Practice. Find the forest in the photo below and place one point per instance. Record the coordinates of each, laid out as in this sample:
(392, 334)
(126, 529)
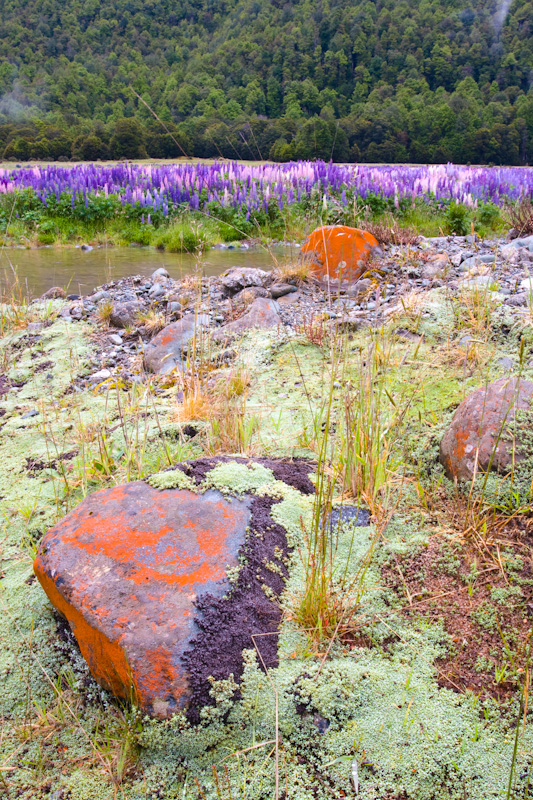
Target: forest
(422, 81)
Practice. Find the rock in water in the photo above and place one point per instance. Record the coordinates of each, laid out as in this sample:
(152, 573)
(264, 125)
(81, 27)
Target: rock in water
(127, 567)
(339, 251)
(481, 427)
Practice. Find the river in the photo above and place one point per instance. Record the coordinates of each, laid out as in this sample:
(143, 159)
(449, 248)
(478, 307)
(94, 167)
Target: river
(79, 271)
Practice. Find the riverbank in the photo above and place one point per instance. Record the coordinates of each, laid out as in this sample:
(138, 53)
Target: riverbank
(409, 675)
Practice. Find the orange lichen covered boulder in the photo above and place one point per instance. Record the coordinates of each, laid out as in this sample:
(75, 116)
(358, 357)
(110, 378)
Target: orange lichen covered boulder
(339, 251)
(127, 568)
(480, 430)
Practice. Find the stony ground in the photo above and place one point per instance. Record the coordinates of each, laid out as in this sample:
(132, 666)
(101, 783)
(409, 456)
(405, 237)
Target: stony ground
(423, 693)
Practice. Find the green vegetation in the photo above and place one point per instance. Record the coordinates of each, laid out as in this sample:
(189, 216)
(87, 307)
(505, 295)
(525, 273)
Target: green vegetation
(25, 220)
(405, 655)
(410, 81)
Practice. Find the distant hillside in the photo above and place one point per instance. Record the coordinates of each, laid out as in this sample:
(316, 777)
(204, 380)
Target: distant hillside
(424, 80)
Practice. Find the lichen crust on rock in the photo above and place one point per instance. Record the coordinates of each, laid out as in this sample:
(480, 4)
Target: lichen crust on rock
(126, 568)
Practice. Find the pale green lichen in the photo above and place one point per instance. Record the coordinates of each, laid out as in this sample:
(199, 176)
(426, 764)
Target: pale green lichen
(173, 479)
(238, 478)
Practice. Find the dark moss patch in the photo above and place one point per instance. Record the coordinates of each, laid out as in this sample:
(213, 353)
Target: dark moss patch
(34, 465)
(227, 625)
(478, 600)
(5, 385)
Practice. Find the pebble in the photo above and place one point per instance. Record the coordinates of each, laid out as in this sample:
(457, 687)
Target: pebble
(101, 375)
(29, 414)
(160, 273)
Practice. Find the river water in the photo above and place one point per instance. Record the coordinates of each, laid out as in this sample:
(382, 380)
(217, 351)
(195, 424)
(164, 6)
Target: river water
(79, 272)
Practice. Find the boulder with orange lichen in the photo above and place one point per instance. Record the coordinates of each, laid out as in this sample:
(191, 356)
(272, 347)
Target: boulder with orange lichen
(126, 568)
(479, 436)
(339, 252)
(164, 582)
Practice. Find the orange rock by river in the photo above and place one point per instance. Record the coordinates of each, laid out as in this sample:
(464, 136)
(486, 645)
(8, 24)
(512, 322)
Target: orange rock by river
(339, 251)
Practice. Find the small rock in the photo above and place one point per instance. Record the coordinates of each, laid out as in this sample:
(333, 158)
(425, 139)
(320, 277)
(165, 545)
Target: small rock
(509, 252)
(157, 291)
(28, 414)
(247, 296)
(290, 299)
(34, 327)
(160, 273)
(101, 375)
(86, 248)
(237, 278)
(115, 339)
(263, 314)
(124, 315)
(517, 300)
(281, 289)
(359, 288)
(55, 293)
(505, 363)
(164, 353)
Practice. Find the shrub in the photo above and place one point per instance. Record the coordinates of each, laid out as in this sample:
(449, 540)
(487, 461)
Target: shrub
(181, 238)
(456, 219)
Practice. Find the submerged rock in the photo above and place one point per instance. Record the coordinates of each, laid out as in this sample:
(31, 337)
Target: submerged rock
(481, 429)
(164, 353)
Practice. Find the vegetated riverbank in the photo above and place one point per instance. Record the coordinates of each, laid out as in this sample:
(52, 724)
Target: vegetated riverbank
(405, 648)
(189, 207)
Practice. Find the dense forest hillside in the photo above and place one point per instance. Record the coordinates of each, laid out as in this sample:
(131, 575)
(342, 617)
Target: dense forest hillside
(389, 80)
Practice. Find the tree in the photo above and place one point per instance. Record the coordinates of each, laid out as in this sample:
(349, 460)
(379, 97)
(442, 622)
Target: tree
(127, 140)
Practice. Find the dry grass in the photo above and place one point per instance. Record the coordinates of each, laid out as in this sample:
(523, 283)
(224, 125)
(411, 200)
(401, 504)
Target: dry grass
(312, 331)
(152, 321)
(104, 312)
(388, 231)
(520, 218)
(299, 271)
(194, 402)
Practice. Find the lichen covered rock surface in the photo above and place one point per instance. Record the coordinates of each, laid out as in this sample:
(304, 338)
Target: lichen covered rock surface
(478, 436)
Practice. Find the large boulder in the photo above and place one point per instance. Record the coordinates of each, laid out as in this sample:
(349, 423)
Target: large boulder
(263, 313)
(486, 427)
(165, 582)
(339, 252)
(238, 278)
(126, 568)
(164, 353)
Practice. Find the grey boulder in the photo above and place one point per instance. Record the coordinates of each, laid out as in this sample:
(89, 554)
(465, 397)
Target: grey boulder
(164, 353)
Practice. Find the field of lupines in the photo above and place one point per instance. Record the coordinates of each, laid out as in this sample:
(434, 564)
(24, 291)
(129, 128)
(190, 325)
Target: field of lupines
(250, 199)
